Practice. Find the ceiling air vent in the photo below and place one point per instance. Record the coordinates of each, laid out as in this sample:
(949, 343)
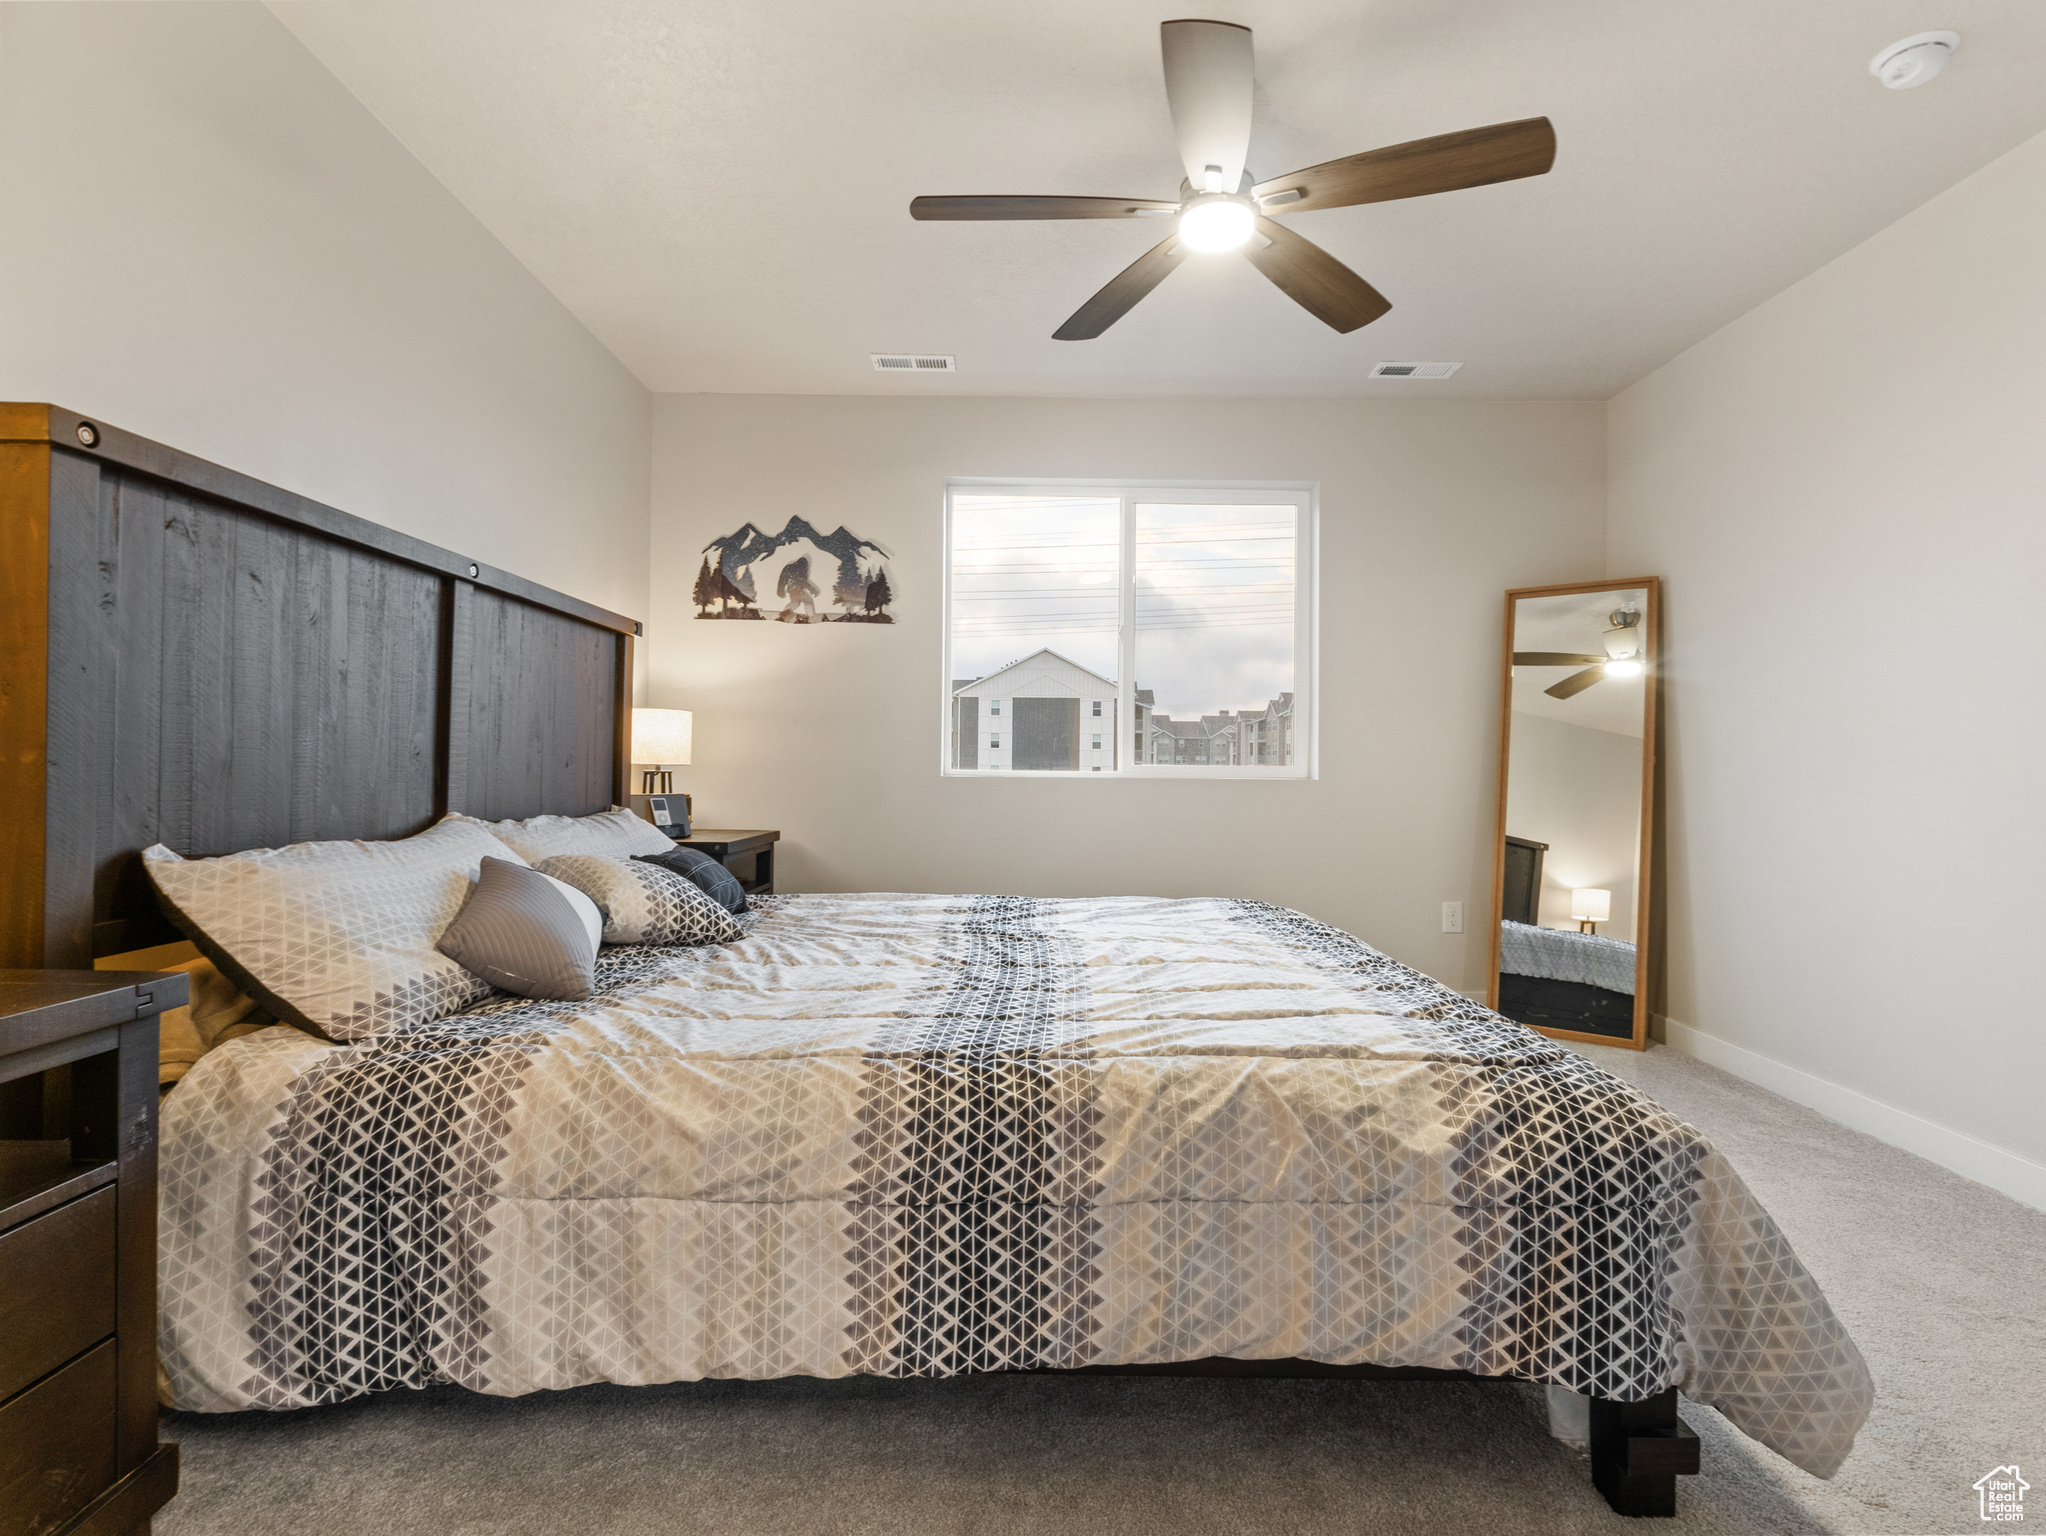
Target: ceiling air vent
(912, 362)
(1414, 370)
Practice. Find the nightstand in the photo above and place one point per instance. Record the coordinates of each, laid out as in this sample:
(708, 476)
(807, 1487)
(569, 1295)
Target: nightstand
(78, 1448)
(745, 854)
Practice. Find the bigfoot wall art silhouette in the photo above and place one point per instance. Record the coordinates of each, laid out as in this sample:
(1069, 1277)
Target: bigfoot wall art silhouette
(735, 566)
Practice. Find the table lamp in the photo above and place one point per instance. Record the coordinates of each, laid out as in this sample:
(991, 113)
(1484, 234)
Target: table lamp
(1591, 907)
(660, 737)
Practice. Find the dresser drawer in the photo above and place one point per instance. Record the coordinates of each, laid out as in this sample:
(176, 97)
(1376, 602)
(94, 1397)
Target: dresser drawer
(57, 1445)
(56, 1288)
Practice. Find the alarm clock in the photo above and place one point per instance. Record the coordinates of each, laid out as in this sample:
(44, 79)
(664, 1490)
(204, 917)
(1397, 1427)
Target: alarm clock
(670, 813)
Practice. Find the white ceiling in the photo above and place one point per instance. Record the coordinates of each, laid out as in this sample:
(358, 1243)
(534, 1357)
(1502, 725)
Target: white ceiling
(720, 190)
(1576, 621)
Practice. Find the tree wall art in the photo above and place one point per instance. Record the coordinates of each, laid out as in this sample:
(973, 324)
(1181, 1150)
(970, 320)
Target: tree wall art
(798, 576)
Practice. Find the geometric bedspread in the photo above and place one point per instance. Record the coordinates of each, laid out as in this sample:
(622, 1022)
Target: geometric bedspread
(1563, 954)
(933, 1135)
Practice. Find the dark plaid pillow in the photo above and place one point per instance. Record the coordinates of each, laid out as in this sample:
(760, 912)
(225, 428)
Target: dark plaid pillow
(715, 881)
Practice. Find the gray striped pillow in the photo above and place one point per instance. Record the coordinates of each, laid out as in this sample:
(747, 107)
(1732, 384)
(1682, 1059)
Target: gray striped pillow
(526, 933)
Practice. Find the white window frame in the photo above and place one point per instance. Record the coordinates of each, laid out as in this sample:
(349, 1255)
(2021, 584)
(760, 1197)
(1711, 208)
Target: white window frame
(1304, 496)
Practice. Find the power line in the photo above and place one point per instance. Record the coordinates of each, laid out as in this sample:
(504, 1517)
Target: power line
(995, 624)
(1280, 622)
(1187, 563)
(1074, 594)
(1064, 544)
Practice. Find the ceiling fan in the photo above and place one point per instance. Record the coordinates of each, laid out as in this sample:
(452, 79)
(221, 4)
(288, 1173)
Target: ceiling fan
(1622, 657)
(1208, 86)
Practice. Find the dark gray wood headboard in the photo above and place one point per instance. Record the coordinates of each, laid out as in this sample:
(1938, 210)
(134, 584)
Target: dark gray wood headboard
(193, 657)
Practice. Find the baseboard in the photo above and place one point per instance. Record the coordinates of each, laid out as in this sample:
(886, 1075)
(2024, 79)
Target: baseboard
(2019, 1177)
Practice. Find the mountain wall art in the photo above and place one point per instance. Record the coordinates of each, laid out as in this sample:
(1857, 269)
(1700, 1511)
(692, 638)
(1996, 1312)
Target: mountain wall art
(798, 576)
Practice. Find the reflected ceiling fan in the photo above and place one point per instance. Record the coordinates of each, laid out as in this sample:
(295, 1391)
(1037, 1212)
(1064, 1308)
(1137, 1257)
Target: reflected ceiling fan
(1208, 86)
(1622, 657)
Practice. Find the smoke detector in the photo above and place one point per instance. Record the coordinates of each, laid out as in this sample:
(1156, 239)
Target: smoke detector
(1915, 60)
(913, 362)
(1414, 370)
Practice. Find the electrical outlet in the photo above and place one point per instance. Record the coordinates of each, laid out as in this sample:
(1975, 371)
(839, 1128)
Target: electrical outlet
(1452, 917)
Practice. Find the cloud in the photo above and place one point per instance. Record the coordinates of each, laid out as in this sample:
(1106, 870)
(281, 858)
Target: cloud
(1214, 594)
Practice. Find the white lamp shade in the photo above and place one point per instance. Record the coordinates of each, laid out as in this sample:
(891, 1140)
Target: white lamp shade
(661, 736)
(1591, 906)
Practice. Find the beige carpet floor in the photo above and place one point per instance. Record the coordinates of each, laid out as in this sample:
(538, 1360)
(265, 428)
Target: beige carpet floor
(1942, 1283)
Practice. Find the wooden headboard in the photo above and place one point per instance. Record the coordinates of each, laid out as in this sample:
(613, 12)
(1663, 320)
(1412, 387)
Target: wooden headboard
(190, 656)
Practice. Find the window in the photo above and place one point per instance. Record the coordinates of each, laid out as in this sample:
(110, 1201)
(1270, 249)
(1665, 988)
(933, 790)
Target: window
(995, 742)
(1181, 615)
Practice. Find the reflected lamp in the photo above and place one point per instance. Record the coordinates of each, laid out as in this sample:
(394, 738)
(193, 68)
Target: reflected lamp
(1590, 907)
(660, 737)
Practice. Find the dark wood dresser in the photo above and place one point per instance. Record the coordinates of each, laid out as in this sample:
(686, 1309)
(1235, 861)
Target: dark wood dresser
(78, 1068)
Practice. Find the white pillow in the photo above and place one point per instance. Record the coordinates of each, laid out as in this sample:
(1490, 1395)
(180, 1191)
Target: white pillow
(335, 937)
(585, 909)
(613, 834)
(527, 933)
(645, 903)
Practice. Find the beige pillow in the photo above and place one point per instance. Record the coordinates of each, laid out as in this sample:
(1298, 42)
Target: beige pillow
(335, 937)
(645, 903)
(218, 1012)
(613, 834)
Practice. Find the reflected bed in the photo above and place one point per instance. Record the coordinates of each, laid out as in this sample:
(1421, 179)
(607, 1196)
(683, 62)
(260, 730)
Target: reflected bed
(1556, 978)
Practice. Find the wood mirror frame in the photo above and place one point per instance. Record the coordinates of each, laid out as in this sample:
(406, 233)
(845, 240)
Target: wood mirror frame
(1644, 893)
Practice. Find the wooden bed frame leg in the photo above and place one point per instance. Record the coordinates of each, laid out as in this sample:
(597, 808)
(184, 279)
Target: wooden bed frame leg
(1638, 1451)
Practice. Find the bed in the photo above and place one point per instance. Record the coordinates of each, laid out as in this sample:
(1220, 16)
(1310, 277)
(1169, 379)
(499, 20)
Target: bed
(932, 1135)
(1557, 978)
(905, 1135)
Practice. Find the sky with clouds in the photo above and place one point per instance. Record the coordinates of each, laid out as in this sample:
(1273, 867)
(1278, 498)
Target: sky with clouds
(1214, 593)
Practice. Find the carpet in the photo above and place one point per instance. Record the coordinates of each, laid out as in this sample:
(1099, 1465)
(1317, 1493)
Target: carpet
(1941, 1281)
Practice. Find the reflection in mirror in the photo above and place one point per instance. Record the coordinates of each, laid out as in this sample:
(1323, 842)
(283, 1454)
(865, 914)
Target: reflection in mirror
(1576, 766)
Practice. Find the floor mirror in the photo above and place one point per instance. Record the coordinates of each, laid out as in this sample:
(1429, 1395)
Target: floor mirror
(1571, 936)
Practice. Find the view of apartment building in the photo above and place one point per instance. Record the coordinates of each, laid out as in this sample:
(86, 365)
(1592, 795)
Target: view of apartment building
(1261, 738)
(1045, 712)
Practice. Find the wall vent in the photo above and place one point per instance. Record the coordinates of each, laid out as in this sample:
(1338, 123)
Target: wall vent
(913, 362)
(1414, 370)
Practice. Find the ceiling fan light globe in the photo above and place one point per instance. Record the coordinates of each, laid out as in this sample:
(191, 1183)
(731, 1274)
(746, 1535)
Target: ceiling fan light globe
(1216, 223)
(1623, 668)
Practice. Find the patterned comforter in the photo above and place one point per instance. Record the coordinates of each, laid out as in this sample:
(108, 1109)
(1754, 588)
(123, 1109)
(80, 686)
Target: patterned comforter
(1590, 959)
(927, 1135)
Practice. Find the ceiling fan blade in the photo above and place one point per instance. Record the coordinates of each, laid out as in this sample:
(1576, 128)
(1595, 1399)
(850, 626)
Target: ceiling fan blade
(1555, 659)
(1123, 291)
(1040, 208)
(1474, 157)
(1208, 83)
(1576, 682)
(1315, 280)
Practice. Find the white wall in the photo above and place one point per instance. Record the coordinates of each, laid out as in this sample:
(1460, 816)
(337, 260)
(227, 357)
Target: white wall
(830, 732)
(210, 242)
(1579, 791)
(1846, 489)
